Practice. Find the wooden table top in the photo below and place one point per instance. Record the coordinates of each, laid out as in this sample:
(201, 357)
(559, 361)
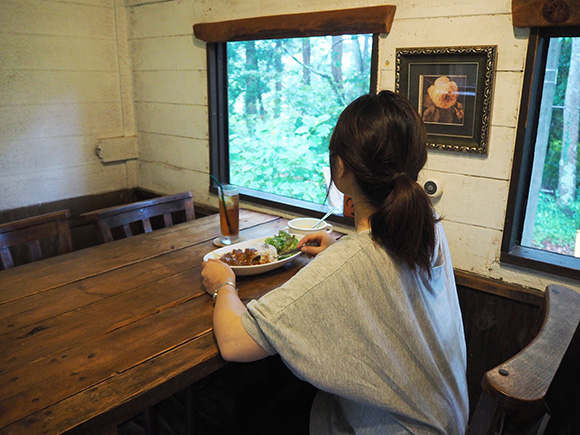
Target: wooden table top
(91, 338)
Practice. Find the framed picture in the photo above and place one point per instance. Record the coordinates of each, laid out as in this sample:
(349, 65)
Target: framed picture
(451, 88)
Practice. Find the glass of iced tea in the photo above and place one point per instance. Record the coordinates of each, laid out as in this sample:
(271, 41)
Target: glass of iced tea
(229, 199)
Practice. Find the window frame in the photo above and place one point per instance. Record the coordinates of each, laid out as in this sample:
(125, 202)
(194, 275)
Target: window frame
(373, 20)
(219, 143)
(512, 252)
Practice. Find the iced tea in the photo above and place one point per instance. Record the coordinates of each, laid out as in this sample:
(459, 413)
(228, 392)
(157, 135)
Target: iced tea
(229, 214)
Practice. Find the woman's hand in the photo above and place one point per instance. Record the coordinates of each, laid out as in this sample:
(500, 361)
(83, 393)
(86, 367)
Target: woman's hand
(215, 273)
(320, 241)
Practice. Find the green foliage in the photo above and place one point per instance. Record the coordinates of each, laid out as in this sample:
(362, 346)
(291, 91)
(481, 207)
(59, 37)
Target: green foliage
(551, 167)
(555, 230)
(283, 107)
(551, 170)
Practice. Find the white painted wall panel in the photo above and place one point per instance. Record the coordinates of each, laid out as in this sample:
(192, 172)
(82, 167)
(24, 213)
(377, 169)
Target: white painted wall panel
(506, 97)
(450, 8)
(41, 87)
(55, 184)
(170, 53)
(55, 120)
(473, 249)
(183, 87)
(42, 52)
(163, 178)
(102, 3)
(164, 19)
(477, 201)
(496, 165)
(460, 31)
(46, 18)
(173, 119)
(175, 151)
(24, 156)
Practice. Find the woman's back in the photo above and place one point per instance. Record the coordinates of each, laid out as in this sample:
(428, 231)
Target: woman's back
(384, 338)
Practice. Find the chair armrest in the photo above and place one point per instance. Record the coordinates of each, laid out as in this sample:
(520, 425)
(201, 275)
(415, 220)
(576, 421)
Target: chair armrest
(524, 379)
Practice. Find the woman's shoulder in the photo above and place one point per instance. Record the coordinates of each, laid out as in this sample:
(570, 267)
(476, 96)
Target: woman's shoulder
(353, 249)
(350, 244)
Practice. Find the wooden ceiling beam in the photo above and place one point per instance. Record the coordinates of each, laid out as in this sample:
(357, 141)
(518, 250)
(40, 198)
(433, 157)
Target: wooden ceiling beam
(374, 19)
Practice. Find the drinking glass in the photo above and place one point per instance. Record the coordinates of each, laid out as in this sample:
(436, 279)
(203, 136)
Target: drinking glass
(229, 200)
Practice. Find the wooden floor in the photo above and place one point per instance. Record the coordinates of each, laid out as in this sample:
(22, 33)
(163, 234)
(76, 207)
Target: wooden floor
(260, 398)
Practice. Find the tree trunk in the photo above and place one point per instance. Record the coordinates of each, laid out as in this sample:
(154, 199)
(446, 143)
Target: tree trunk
(250, 99)
(357, 55)
(279, 68)
(306, 53)
(542, 137)
(336, 64)
(569, 157)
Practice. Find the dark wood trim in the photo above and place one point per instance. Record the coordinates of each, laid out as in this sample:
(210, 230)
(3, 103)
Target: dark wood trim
(543, 261)
(500, 288)
(374, 65)
(375, 19)
(545, 13)
(217, 80)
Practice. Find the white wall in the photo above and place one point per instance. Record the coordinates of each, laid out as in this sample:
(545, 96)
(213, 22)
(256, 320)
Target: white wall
(64, 83)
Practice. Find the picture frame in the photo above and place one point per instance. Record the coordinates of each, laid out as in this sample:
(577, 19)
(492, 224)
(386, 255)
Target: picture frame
(451, 88)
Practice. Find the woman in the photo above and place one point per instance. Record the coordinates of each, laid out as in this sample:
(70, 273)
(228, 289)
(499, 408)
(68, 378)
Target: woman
(373, 321)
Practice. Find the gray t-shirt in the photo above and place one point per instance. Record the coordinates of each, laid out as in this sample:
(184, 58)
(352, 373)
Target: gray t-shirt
(384, 344)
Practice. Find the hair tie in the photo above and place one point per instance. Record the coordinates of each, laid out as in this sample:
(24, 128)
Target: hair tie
(400, 175)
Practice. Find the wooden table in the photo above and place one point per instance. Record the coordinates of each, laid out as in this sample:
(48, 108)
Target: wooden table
(91, 338)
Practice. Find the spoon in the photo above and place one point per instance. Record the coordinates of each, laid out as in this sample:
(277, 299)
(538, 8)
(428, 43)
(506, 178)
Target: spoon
(323, 218)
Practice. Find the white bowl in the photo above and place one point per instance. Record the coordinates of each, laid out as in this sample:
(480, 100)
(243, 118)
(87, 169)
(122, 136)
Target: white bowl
(304, 226)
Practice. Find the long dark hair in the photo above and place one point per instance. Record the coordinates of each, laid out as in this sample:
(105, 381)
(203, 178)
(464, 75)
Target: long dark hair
(382, 140)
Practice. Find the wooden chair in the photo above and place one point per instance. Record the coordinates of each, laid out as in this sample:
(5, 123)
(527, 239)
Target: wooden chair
(30, 232)
(537, 390)
(137, 216)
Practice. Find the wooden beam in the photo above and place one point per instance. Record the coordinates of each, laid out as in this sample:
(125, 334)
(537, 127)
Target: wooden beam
(545, 13)
(499, 287)
(376, 19)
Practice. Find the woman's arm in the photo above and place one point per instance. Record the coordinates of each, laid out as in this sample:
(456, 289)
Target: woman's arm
(234, 342)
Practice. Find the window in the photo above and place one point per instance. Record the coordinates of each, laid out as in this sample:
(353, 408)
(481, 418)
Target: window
(276, 88)
(284, 98)
(543, 217)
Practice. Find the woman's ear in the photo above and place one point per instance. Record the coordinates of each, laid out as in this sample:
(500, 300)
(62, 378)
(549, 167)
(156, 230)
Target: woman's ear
(341, 176)
(341, 169)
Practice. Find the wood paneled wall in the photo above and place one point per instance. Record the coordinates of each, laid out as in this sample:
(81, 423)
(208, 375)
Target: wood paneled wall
(64, 83)
(499, 319)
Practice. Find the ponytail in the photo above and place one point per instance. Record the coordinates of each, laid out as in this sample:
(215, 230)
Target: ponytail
(405, 223)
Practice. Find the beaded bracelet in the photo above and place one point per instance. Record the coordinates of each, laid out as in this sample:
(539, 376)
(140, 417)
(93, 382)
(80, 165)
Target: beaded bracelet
(215, 292)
